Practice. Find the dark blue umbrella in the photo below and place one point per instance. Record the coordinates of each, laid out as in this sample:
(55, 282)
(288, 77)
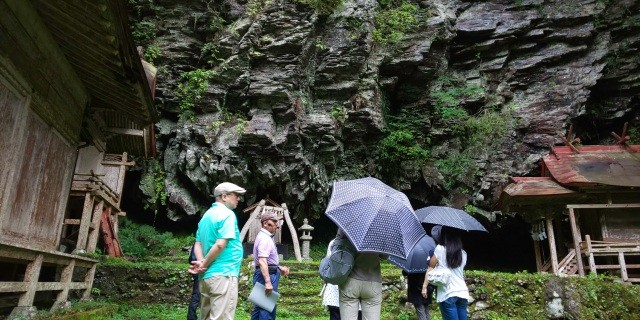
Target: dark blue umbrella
(449, 217)
(417, 258)
(374, 216)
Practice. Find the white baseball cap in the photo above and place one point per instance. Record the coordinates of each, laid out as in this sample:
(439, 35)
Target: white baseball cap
(227, 187)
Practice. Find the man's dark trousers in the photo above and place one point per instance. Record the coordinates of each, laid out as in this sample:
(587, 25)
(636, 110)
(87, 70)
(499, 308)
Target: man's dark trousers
(258, 313)
(195, 299)
(195, 293)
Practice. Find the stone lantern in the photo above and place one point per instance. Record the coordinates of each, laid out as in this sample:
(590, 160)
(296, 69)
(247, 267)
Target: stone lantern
(306, 238)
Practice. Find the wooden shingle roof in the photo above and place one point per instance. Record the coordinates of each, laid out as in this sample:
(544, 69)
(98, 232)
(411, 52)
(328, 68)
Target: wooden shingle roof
(96, 39)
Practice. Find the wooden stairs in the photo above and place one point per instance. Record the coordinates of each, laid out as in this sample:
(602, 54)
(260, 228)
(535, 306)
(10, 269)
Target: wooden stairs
(567, 266)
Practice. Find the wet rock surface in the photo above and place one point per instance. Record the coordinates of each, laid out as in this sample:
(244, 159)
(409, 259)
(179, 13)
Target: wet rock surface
(299, 99)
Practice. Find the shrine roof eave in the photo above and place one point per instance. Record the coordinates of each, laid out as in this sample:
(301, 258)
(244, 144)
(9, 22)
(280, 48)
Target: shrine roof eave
(595, 167)
(526, 191)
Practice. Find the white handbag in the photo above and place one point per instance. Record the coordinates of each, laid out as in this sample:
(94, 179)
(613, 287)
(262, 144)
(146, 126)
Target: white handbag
(439, 276)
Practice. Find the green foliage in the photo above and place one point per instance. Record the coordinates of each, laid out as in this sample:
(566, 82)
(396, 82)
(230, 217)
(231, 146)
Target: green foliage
(408, 119)
(80, 310)
(404, 142)
(193, 85)
(140, 2)
(520, 295)
(153, 311)
(448, 99)
(355, 27)
(145, 242)
(487, 129)
(353, 22)
(217, 23)
(634, 135)
(339, 113)
(470, 209)
(254, 7)
(321, 45)
(210, 53)
(152, 184)
(389, 3)
(317, 251)
(480, 136)
(393, 23)
(456, 166)
(241, 126)
(227, 117)
(143, 32)
(322, 7)
(152, 52)
(402, 145)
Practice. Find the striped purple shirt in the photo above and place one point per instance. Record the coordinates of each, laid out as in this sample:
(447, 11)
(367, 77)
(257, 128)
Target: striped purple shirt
(265, 247)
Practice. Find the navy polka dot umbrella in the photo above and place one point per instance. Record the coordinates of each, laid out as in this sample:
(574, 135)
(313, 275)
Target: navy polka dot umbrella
(450, 217)
(374, 216)
(418, 257)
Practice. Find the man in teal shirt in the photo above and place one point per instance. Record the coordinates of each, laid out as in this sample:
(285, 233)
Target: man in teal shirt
(218, 251)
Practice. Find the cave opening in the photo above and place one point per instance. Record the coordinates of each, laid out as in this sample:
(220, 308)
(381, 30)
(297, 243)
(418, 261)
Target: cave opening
(508, 248)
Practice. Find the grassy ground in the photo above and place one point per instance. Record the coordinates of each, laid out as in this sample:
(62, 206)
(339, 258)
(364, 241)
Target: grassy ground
(158, 287)
(299, 298)
(504, 295)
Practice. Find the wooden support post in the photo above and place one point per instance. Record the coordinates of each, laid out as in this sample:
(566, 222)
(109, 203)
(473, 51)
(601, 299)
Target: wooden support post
(121, 174)
(94, 229)
(85, 220)
(88, 280)
(576, 241)
(252, 218)
(623, 267)
(31, 276)
(292, 231)
(552, 246)
(536, 249)
(65, 280)
(592, 259)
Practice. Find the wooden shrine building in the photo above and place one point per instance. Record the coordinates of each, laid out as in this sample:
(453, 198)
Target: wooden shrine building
(75, 102)
(253, 225)
(584, 210)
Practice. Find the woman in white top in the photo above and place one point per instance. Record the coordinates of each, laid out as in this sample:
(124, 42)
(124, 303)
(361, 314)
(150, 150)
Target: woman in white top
(453, 298)
(330, 295)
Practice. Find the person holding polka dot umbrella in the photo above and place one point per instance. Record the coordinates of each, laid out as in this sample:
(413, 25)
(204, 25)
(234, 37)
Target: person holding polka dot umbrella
(378, 221)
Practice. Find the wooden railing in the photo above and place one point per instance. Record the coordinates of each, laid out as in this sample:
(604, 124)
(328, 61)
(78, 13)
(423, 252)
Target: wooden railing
(593, 249)
(91, 182)
(30, 282)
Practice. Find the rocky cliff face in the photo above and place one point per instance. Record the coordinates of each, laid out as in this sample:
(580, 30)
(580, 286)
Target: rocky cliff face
(442, 99)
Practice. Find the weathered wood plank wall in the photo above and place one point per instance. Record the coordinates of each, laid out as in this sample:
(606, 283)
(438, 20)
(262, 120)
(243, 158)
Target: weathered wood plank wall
(33, 195)
(43, 103)
(57, 94)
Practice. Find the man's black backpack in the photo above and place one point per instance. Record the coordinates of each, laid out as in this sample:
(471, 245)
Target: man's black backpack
(336, 267)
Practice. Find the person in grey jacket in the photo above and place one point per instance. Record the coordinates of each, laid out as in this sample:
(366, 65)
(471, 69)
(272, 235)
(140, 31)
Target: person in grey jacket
(363, 287)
